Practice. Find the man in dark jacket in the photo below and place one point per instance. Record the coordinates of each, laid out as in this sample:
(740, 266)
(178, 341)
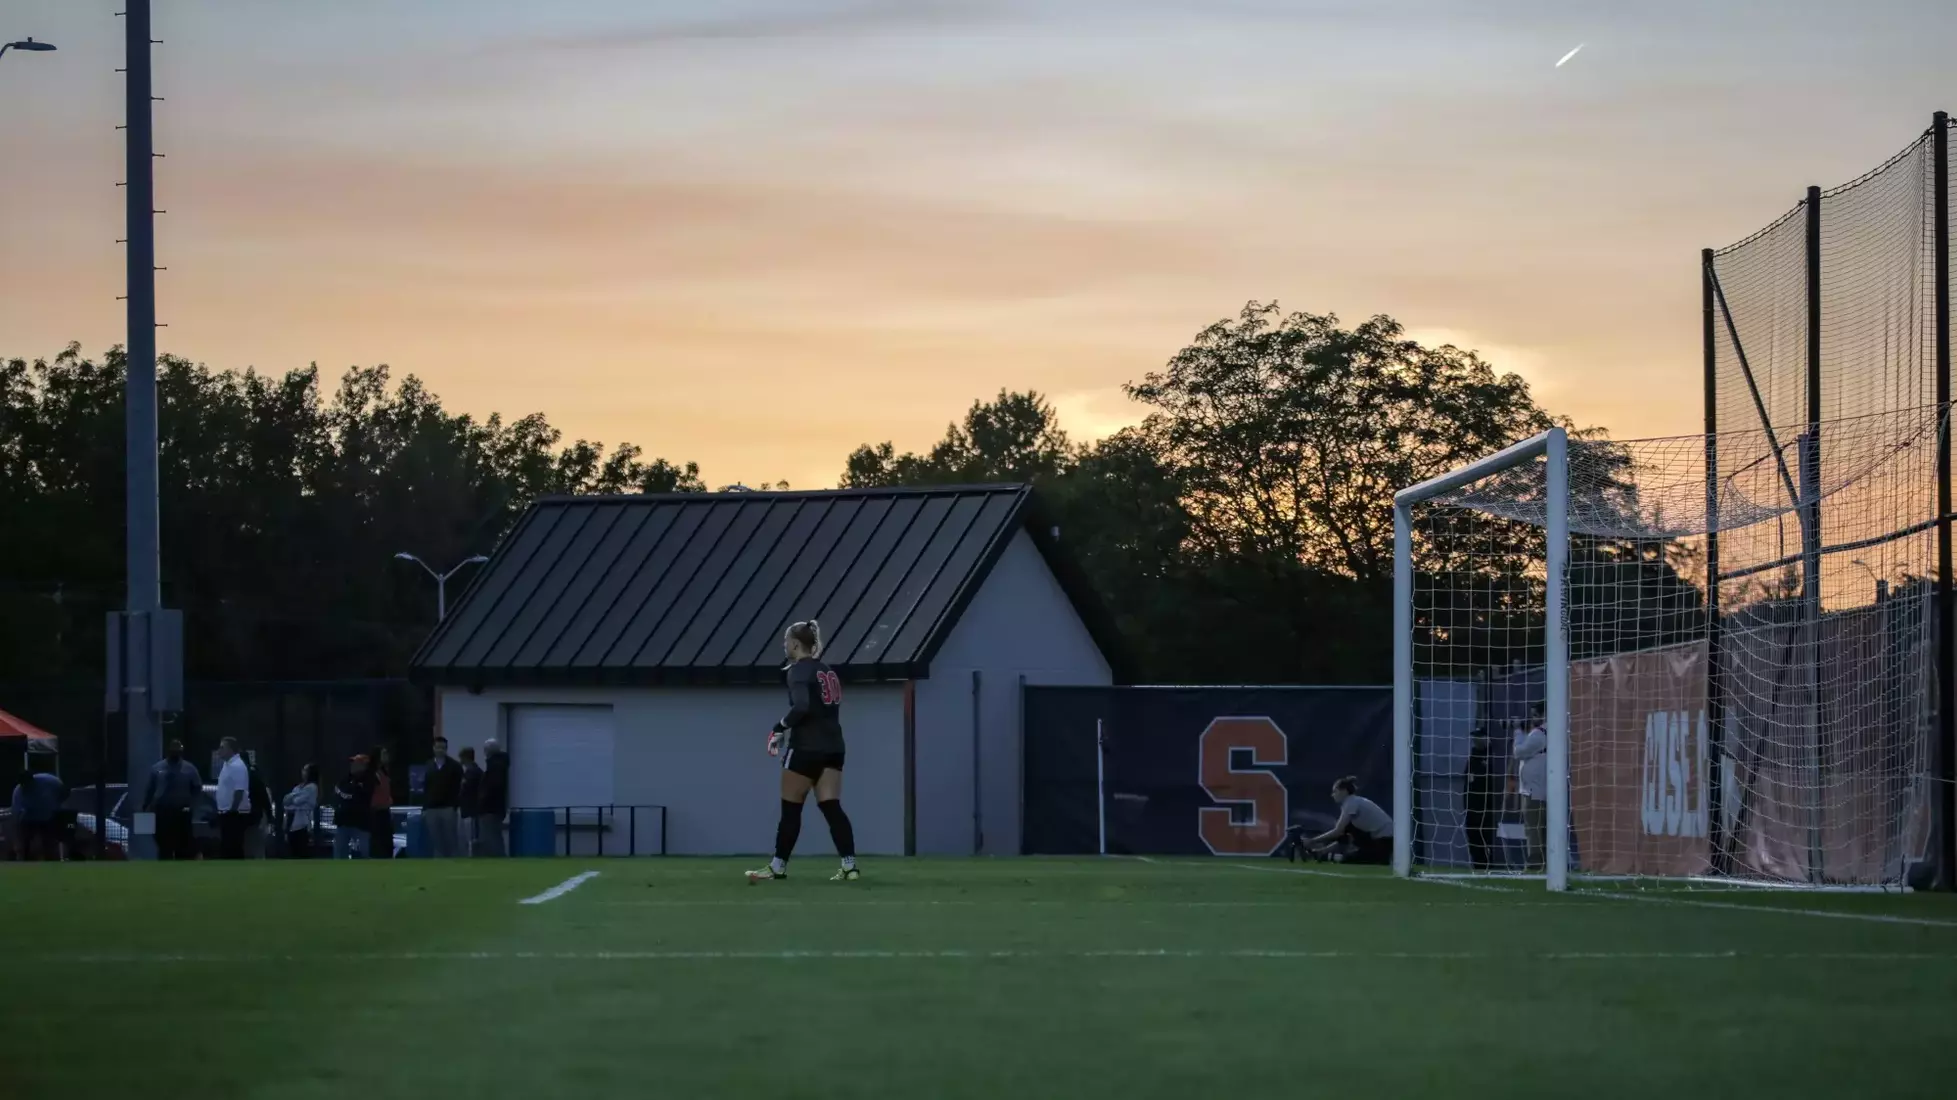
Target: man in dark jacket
(352, 809)
(171, 794)
(470, 800)
(495, 801)
(1484, 801)
(441, 793)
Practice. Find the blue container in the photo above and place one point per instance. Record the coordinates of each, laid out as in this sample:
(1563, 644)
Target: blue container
(417, 837)
(533, 833)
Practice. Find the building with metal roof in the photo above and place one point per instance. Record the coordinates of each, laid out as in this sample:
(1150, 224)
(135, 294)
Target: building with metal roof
(626, 650)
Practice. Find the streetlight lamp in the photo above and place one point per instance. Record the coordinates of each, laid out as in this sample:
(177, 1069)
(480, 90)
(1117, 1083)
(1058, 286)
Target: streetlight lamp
(27, 44)
(441, 579)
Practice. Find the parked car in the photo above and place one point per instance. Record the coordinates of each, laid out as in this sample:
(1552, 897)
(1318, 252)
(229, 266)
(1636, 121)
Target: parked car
(203, 822)
(81, 803)
(323, 837)
(78, 838)
(82, 843)
(203, 816)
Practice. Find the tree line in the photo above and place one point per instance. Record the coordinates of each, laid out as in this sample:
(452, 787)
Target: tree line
(1240, 532)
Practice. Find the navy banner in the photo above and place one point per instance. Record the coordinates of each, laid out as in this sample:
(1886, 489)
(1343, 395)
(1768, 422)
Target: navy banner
(1195, 771)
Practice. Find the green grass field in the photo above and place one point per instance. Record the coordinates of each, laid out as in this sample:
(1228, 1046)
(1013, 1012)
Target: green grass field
(958, 978)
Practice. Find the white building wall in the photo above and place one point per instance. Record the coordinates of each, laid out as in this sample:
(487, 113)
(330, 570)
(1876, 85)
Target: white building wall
(701, 753)
(1020, 624)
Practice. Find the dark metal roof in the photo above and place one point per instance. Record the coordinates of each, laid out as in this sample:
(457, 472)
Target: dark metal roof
(696, 587)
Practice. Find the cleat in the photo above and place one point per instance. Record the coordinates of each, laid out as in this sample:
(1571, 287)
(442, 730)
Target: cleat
(846, 874)
(765, 874)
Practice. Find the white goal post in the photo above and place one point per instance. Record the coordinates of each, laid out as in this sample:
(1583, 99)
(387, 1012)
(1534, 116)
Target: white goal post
(1611, 665)
(1552, 448)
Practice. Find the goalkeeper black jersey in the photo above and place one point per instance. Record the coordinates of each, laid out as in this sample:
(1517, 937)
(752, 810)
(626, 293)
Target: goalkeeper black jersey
(815, 707)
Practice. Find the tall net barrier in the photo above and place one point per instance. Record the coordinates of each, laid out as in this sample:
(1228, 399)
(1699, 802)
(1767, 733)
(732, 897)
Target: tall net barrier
(1828, 316)
(1774, 745)
(1737, 666)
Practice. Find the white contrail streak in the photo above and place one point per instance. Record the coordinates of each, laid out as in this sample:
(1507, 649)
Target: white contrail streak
(1567, 56)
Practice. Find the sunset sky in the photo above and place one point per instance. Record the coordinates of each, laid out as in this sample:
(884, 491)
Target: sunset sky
(755, 234)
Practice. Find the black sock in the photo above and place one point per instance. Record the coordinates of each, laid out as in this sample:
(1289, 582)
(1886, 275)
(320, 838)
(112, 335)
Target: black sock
(839, 827)
(789, 830)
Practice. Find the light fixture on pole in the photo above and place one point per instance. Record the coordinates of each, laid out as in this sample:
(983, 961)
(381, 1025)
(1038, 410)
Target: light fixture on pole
(441, 579)
(27, 44)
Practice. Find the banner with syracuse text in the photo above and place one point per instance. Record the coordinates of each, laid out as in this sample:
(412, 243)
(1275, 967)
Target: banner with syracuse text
(1195, 770)
(1640, 782)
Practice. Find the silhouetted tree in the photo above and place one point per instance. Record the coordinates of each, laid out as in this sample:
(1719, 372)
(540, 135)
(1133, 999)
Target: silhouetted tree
(281, 510)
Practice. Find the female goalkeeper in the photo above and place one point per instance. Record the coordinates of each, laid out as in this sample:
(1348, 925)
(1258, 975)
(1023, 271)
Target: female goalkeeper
(809, 740)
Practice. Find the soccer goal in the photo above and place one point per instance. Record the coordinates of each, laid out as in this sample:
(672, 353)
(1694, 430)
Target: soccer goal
(1586, 691)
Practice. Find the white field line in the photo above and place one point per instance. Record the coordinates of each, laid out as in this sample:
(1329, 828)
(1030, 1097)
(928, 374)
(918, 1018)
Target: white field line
(1367, 876)
(1489, 887)
(1653, 899)
(1293, 904)
(1010, 953)
(560, 889)
(1313, 871)
(1835, 914)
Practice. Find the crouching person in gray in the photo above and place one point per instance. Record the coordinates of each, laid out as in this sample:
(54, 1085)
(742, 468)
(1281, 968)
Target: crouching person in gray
(441, 795)
(1363, 834)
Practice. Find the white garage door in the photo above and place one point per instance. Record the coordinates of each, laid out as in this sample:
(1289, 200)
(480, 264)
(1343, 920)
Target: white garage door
(560, 756)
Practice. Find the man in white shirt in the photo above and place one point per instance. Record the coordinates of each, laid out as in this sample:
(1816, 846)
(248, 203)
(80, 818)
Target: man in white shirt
(1532, 780)
(1362, 835)
(233, 800)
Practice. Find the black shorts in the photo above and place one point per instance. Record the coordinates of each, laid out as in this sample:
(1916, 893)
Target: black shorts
(811, 764)
(1374, 851)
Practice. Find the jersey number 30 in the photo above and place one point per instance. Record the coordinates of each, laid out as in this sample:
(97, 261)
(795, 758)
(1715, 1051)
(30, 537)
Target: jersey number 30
(832, 688)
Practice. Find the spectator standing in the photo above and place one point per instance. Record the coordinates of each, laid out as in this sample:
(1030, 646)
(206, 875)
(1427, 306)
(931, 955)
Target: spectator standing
(261, 820)
(37, 818)
(1484, 800)
(380, 834)
(171, 795)
(233, 799)
(495, 801)
(353, 808)
(1532, 779)
(469, 803)
(441, 794)
(301, 808)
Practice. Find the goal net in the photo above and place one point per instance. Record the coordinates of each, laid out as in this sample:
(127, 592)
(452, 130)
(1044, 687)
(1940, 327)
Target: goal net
(1584, 692)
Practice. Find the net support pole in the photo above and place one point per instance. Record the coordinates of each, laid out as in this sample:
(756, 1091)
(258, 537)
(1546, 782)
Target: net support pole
(1403, 699)
(1715, 708)
(1946, 621)
(1556, 660)
(1811, 535)
(1101, 783)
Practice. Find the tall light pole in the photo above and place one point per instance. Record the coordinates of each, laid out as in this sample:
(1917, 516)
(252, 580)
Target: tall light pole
(147, 695)
(27, 44)
(441, 579)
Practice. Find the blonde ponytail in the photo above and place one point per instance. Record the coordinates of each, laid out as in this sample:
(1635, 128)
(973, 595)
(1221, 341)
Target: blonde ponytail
(808, 635)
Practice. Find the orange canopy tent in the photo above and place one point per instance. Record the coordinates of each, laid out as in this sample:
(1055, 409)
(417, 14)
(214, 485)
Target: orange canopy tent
(14, 729)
